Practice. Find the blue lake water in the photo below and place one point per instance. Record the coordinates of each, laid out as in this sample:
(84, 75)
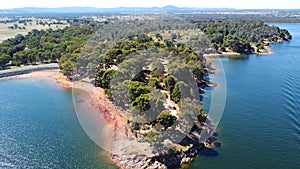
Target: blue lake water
(39, 128)
(260, 127)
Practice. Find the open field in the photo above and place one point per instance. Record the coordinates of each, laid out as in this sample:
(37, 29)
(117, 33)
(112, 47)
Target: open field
(6, 32)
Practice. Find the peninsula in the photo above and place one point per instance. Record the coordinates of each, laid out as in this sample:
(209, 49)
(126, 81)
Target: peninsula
(149, 72)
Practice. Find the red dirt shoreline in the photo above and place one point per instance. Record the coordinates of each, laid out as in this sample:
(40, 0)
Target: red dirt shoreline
(124, 150)
(97, 97)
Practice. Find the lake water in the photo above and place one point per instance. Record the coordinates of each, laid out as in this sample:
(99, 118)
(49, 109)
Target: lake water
(39, 128)
(260, 127)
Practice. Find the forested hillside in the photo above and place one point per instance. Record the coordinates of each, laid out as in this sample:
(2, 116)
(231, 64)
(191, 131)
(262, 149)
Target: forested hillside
(241, 36)
(153, 69)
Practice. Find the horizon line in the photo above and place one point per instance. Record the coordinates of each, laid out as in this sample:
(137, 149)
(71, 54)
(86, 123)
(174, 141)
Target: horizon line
(148, 7)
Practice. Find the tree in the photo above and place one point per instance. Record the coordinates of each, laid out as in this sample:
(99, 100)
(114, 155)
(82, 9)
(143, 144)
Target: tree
(142, 103)
(131, 67)
(154, 82)
(4, 59)
(23, 57)
(99, 76)
(91, 70)
(136, 89)
(120, 94)
(68, 68)
(148, 106)
(104, 77)
(176, 94)
(181, 72)
(157, 68)
(181, 91)
(53, 57)
(166, 119)
(16, 60)
(169, 83)
(141, 76)
(198, 72)
(32, 58)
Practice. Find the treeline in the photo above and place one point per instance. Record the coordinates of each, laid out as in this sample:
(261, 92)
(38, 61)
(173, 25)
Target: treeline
(44, 46)
(242, 36)
(65, 45)
(274, 17)
(102, 44)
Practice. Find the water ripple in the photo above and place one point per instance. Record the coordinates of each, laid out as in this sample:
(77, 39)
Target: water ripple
(291, 95)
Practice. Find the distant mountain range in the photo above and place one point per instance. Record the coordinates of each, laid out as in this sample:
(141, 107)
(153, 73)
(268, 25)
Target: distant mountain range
(104, 10)
(82, 11)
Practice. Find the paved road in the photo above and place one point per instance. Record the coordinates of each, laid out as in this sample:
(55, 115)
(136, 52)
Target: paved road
(27, 69)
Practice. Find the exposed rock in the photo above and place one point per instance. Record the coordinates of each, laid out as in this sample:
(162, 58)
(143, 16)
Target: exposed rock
(217, 144)
(215, 134)
(211, 139)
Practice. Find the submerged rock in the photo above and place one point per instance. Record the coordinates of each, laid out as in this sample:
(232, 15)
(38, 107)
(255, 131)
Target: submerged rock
(208, 152)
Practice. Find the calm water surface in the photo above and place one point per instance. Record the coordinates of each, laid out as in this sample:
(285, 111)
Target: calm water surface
(260, 127)
(39, 128)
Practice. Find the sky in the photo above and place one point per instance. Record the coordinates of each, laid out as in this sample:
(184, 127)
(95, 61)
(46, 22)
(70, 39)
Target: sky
(241, 4)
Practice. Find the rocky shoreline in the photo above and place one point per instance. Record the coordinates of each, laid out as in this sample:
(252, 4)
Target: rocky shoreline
(126, 158)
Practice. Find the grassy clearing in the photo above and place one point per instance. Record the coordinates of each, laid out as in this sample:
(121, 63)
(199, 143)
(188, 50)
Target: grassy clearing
(6, 32)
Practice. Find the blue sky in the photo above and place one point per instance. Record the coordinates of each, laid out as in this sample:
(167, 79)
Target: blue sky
(243, 4)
